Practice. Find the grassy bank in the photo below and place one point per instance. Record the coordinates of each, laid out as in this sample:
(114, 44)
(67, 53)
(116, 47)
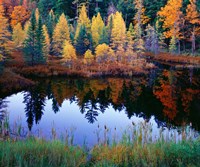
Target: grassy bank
(56, 66)
(35, 152)
(175, 59)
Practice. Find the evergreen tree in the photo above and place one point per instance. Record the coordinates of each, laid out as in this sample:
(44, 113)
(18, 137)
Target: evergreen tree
(61, 33)
(40, 43)
(5, 35)
(64, 6)
(35, 42)
(60, 4)
(51, 22)
(30, 42)
(45, 6)
(127, 9)
(104, 37)
(83, 41)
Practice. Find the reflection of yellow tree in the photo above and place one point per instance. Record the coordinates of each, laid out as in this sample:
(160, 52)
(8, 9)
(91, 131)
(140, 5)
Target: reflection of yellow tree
(96, 86)
(165, 93)
(62, 91)
(116, 89)
(91, 89)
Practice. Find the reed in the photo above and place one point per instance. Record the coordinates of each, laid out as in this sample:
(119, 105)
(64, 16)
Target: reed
(135, 148)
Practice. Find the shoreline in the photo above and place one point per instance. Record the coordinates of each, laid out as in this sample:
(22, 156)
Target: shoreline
(170, 59)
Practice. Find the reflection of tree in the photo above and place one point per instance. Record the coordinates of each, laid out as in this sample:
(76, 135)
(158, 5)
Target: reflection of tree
(179, 92)
(165, 94)
(3, 106)
(174, 98)
(35, 103)
(55, 105)
(92, 112)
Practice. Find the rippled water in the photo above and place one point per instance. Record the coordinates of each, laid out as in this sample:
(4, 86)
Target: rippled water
(168, 99)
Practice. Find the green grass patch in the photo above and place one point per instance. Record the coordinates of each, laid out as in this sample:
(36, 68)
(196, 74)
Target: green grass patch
(42, 153)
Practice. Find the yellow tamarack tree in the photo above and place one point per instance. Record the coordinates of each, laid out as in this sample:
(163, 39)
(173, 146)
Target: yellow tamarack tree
(18, 35)
(118, 33)
(60, 34)
(97, 29)
(47, 40)
(69, 52)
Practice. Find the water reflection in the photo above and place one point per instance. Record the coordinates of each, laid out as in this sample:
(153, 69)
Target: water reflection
(3, 106)
(171, 96)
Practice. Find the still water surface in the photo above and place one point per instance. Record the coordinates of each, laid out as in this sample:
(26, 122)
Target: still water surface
(167, 99)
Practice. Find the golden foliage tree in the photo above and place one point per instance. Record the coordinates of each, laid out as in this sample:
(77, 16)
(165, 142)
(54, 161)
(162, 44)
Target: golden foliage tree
(193, 17)
(18, 35)
(19, 15)
(172, 18)
(47, 40)
(104, 53)
(69, 52)
(88, 57)
(118, 34)
(97, 29)
(4, 34)
(61, 33)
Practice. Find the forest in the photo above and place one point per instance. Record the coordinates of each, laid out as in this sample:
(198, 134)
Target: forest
(98, 31)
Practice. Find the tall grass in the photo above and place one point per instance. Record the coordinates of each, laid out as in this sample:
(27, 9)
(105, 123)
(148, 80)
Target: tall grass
(38, 152)
(135, 148)
(34, 152)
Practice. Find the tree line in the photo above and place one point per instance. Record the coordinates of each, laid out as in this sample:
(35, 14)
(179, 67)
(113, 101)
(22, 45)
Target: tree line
(103, 30)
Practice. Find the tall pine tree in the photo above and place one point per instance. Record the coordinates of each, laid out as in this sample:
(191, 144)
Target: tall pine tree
(40, 43)
(35, 42)
(30, 42)
(5, 36)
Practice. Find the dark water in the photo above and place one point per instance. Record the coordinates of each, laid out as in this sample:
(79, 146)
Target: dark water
(167, 99)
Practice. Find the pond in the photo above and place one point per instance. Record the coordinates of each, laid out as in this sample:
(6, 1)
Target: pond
(168, 99)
